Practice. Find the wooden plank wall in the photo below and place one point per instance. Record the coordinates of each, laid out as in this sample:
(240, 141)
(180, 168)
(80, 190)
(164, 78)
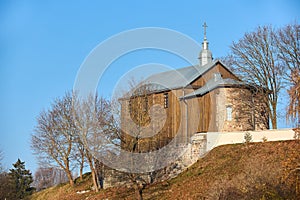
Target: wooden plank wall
(199, 117)
(209, 74)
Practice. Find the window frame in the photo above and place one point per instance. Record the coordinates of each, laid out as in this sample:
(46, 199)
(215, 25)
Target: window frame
(166, 100)
(229, 113)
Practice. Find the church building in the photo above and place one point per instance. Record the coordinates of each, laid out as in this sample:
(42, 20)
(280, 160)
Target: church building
(207, 97)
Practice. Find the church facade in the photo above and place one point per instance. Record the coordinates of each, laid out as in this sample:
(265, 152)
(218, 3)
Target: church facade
(207, 97)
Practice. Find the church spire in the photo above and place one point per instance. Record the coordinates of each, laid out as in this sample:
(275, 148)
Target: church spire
(204, 26)
(205, 54)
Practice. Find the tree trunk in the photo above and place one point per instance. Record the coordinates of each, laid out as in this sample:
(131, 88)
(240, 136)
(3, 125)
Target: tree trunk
(80, 173)
(70, 177)
(94, 177)
(253, 113)
(95, 180)
(138, 192)
(81, 164)
(81, 167)
(99, 170)
(274, 123)
(298, 123)
(274, 116)
(68, 172)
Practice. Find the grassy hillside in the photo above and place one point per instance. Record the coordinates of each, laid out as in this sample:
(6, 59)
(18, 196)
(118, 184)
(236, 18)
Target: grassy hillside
(254, 171)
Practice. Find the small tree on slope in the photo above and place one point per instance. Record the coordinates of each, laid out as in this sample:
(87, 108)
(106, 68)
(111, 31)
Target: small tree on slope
(21, 179)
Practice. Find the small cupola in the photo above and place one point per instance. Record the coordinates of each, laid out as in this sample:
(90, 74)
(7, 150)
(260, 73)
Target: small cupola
(205, 55)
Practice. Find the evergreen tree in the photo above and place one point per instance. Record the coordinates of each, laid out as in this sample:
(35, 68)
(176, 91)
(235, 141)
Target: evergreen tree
(21, 179)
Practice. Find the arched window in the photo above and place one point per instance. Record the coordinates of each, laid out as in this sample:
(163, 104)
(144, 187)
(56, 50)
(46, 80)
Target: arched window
(145, 104)
(166, 100)
(129, 105)
(228, 113)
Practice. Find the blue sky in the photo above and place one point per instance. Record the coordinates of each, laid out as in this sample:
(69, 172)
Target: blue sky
(43, 44)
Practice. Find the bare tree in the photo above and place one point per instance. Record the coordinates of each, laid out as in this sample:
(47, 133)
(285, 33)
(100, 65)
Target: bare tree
(48, 177)
(91, 116)
(255, 59)
(6, 183)
(1, 160)
(293, 111)
(135, 108)
(288, 42)
(7, 189)
(78, 155)
(52, 140)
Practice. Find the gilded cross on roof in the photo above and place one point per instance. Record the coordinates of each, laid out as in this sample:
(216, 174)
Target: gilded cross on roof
(204, 26)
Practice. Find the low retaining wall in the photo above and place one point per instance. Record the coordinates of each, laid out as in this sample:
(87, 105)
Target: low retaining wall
(199, 145)
(215, 139)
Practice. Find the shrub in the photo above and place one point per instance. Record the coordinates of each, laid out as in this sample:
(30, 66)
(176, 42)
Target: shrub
(264, 139)
(248, 137)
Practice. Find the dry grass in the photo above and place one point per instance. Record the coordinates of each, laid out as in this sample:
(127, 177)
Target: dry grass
(254, 171)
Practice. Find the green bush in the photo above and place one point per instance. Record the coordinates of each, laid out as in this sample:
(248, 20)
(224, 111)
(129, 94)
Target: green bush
(248, 137)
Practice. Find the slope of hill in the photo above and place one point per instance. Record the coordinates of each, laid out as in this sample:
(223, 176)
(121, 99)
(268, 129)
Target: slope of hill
(269, 170)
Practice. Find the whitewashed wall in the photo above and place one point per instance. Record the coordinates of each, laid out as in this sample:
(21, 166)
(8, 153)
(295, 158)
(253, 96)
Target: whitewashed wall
(215, 139)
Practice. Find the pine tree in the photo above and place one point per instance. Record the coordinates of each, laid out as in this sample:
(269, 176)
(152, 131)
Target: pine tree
(21, 179)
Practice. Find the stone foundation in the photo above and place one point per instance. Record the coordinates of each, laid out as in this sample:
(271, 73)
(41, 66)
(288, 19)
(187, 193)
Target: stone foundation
(198, 147)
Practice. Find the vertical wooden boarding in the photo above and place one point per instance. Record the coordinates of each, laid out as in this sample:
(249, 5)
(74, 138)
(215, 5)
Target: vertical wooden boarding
(205, 113)
(212, 113)
(208, 111)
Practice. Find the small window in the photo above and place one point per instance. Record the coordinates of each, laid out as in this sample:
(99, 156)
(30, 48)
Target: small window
(217, 76)
(129, 105)
(166, 100)
(228, 113)
(145, 104)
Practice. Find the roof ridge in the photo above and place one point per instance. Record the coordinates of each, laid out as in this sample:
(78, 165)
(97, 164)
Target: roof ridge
(212, 84)
(182, 77)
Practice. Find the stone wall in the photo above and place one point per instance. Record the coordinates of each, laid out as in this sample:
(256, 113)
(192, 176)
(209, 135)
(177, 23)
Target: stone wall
(248, 110)
(199, 145)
